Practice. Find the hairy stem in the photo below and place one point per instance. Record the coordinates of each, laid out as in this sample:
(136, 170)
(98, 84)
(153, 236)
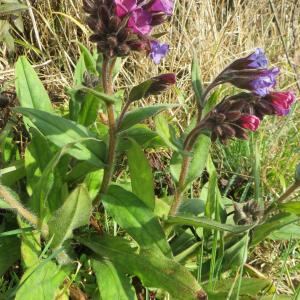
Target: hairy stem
(15, 205)
(107, 81)
(122, 114)
(188, 147)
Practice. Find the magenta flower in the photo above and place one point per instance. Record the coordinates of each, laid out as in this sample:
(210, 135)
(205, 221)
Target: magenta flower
(255, 60)
(250, 122)
(124, 7)
(164, 6)
(281, 102)
(158, 51)
(140, 21)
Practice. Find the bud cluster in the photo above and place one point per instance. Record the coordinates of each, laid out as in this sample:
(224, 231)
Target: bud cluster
(122, 26)
(245, 111)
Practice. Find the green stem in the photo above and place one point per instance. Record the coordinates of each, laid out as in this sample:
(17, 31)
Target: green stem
(188, 147)
(15, 205)
(107, 81)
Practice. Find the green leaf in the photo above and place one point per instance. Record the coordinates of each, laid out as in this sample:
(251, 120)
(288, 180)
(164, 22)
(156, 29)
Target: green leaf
(9, 252)
(108, 99)
(262, 231)
(93, 183)
(13, 173)
(112, 283)
(138, 92)
(89, 61)
(168, 134)
(250, 287)
(74, 213)
(136, 218)
(290, 207)
(12, 8)
(30, 91)
(41, 282)
(89, 110)
(153, 269)
(198, 162)
(63, 132)
(286, 233)
(141, 175)
(140, 114)
(196, 82)
(207, 223)
(145, 137)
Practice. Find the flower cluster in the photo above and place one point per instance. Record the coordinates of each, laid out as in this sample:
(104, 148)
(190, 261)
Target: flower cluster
(121, 26)
(244, 111)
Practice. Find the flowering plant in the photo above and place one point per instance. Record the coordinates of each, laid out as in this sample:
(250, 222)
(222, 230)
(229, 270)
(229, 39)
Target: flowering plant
(94, 229)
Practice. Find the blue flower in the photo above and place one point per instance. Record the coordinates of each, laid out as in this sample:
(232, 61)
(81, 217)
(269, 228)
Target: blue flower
(158, 51)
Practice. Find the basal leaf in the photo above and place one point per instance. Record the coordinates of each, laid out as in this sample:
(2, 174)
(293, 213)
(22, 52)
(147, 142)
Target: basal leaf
(141, 175)
(63, 132)
(74, 213)
(13, 173)
(12, 8)
(41, 282)
(153, 269)
(112, 283)
(136, 218)
(30, 91)
(9, 252)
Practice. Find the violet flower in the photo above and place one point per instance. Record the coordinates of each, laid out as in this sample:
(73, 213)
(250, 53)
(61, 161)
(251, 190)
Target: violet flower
(158, 51)
(258, 81)
(281, 102)
(256, 60)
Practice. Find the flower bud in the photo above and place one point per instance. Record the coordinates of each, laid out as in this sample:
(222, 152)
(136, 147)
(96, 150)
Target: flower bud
(161, 83)
(249, 122)
(255, 60)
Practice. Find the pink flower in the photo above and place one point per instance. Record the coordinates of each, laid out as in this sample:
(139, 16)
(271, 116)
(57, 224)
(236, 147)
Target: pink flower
(281, 102)
(164, 6)
(140, 21)
(249, 122)
(123, 7)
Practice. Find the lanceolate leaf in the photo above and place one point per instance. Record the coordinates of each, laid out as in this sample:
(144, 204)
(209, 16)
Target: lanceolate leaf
(141, 114)
(41, 282)
(196, 82)
(278, 221)
(199, 159)
(137, 219)
(74, 213)
(208, 224)
(63, 132)
(9, 252)
(30, 91)
(141, 175)
(112, 283)
(12, 8)
(153, 269)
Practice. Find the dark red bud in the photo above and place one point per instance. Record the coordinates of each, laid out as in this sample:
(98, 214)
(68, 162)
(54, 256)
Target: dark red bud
(161, 83)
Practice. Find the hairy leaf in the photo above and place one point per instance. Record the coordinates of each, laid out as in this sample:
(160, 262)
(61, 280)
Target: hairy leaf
(136, 218)
(141, 175)
(153, 269)
(30, 90)
(74, 213)
(112, 283)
